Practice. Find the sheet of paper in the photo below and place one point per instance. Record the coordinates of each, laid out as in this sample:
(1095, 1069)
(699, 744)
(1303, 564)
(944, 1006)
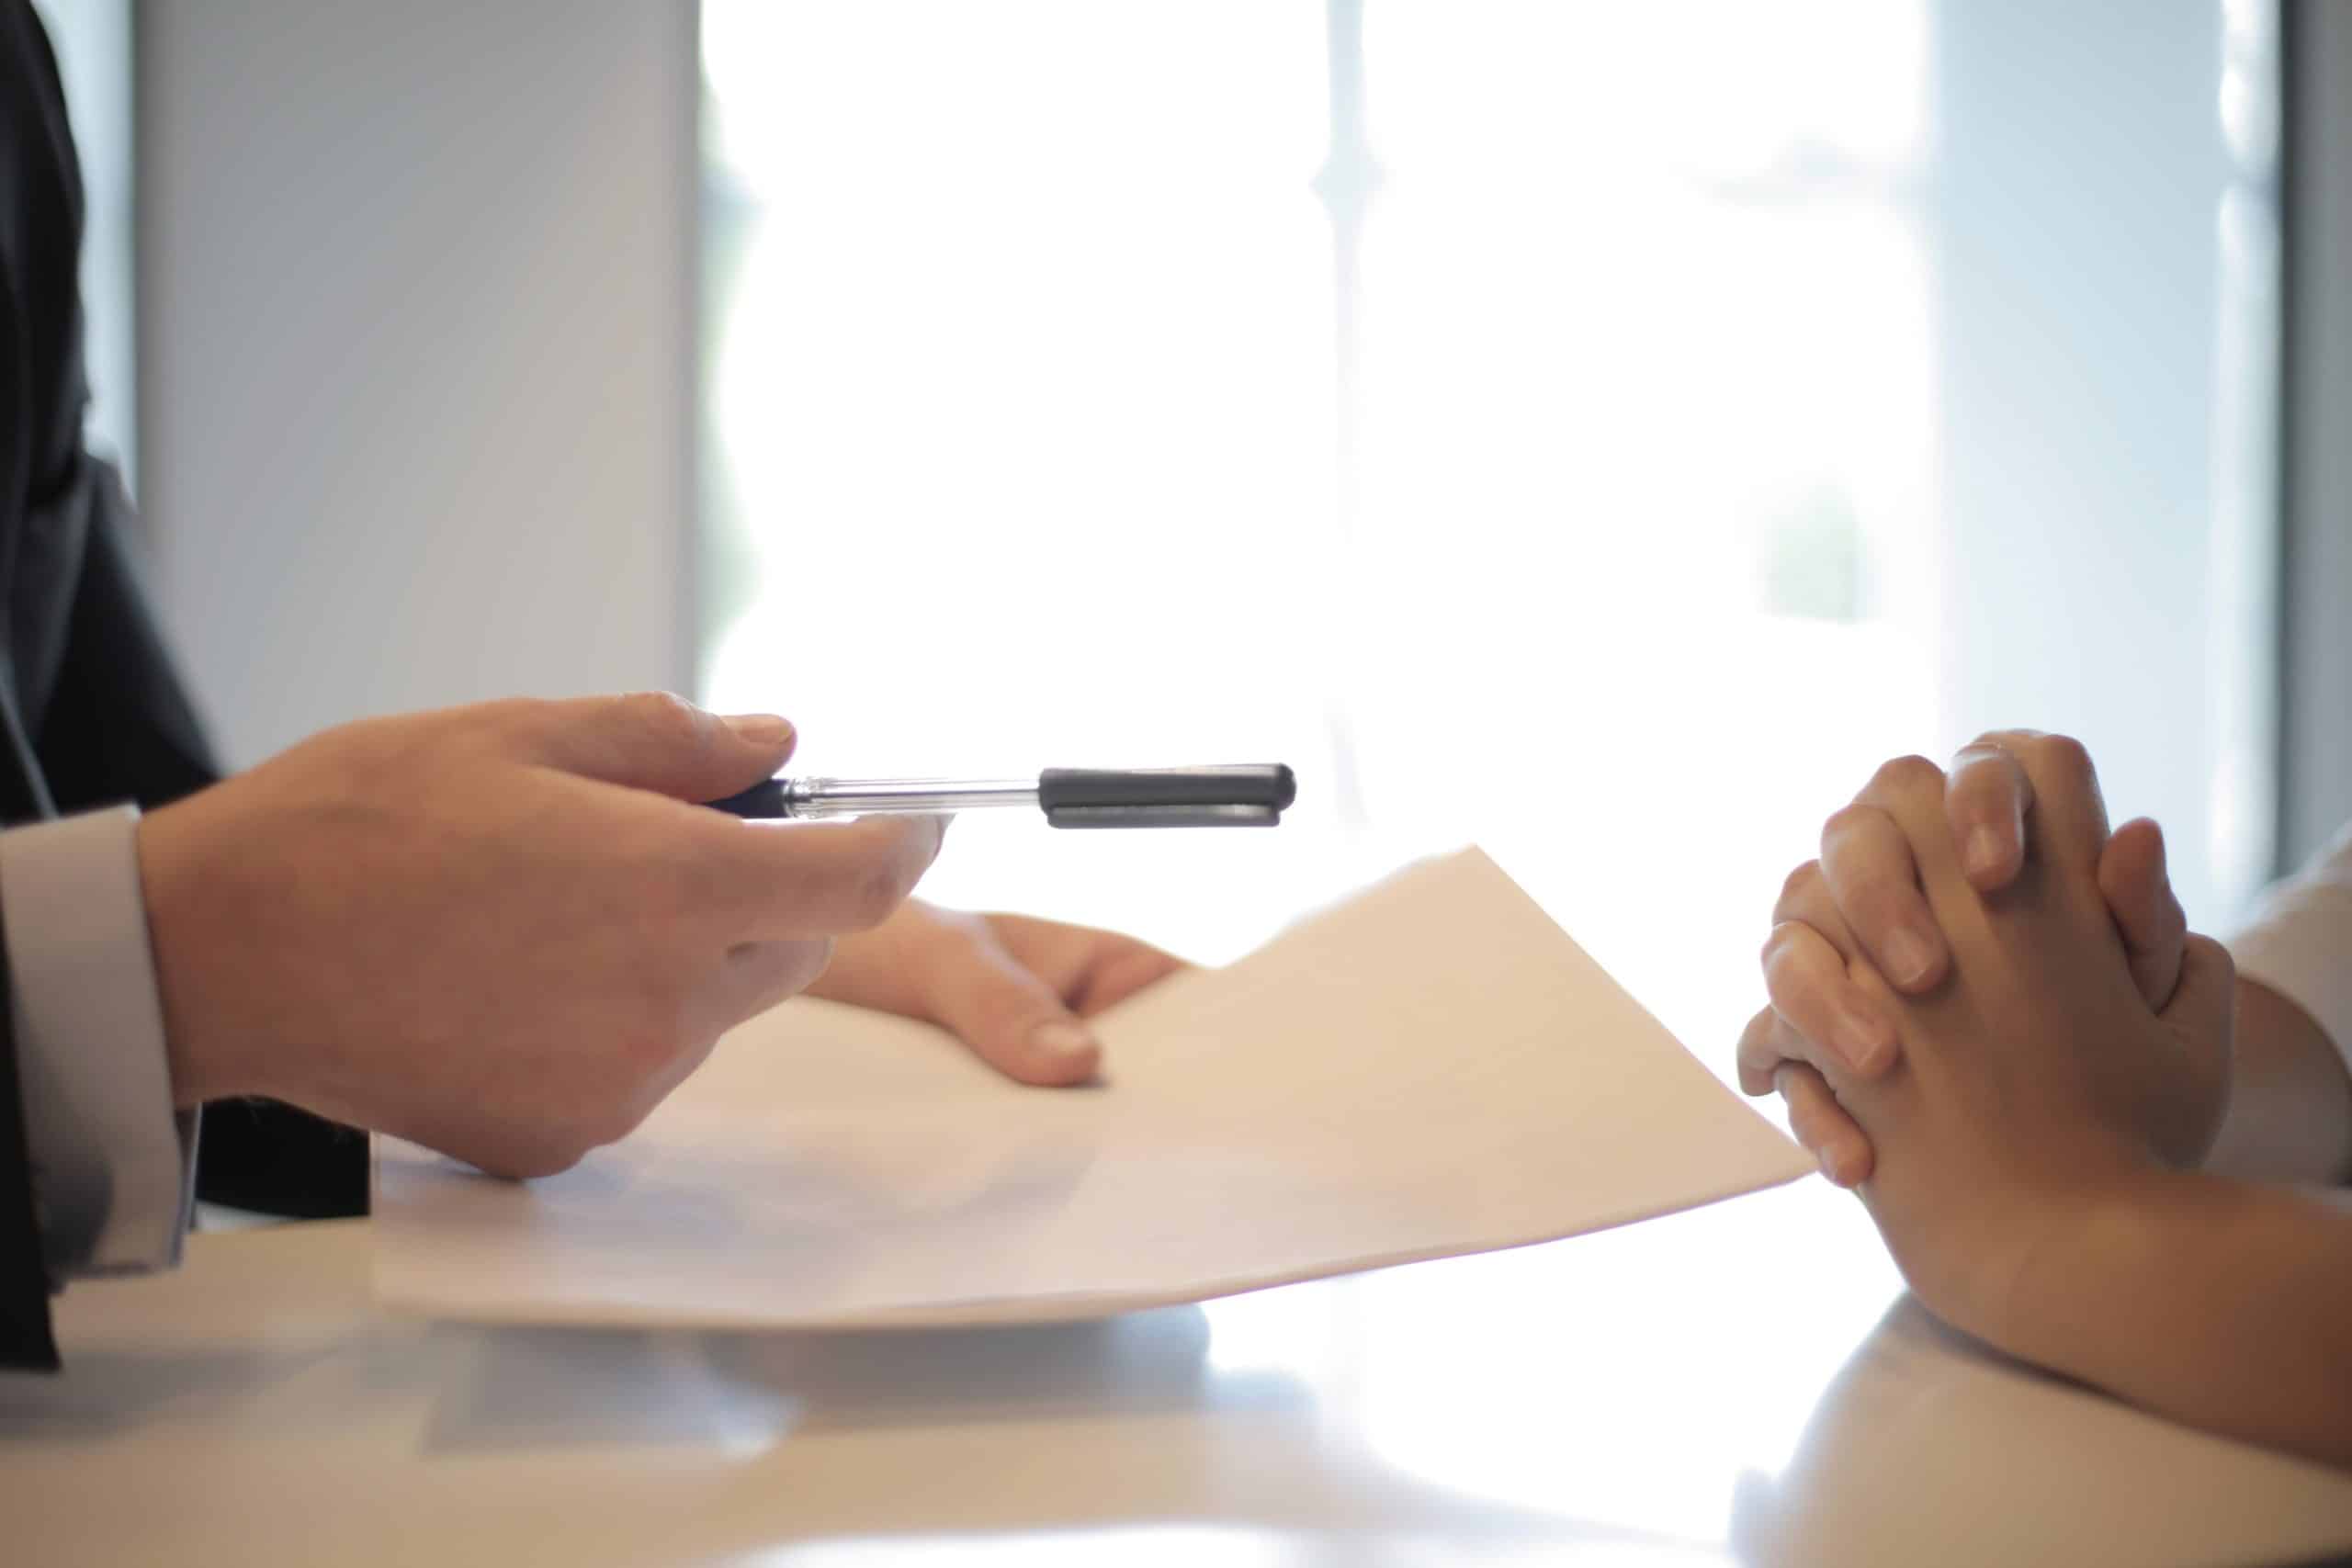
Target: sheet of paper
(1430, 1068)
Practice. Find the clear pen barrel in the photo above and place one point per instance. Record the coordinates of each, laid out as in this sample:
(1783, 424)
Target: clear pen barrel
(904, 797)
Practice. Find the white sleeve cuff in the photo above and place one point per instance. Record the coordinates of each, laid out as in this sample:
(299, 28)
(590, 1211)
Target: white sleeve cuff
(2299, 943)
(114, 1168)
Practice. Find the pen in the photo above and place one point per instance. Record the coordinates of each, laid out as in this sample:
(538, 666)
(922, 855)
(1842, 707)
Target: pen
(1230, 797)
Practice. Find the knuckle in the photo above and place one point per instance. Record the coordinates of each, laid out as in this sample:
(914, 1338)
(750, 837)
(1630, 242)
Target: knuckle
(665, 716)
(2066, 754)
(1781, 959)
(1795, 994)
(1800, 996)
(874, 894)
(2207, 951)
(1760, 1052)
(1906, 775)
(1850, 822)
(1982, 784)
(1987, 762)
(1798, 885)
(1846, 819)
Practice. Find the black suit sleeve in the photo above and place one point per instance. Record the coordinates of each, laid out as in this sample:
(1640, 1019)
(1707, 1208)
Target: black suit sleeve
(26, 1340)
(121, 728)
(112, 722)
(36, 334)
(92, 712)
(118, 725)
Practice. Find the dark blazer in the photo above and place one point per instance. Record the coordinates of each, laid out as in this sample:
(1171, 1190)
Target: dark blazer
(91, 711)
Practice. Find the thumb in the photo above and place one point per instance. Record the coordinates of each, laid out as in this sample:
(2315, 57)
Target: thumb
(2202, 1004)
(1009, 1018)
(2147, 914)
(2200, 1016)
(653, 741)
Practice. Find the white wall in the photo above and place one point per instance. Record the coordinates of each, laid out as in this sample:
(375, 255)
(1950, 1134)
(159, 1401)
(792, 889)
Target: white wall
(416, 305)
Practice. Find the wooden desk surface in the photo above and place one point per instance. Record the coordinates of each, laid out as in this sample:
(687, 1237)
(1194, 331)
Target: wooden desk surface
(1740, 1384)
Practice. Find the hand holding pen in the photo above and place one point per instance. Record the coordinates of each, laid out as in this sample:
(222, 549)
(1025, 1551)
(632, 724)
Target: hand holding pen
(1227, 796)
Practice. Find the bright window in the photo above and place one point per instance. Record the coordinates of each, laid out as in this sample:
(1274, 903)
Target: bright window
(1601, 431)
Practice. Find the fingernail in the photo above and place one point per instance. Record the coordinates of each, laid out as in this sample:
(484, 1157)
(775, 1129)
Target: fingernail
(1908, 957)
(1861, 1042)
(1062, 1040)
(1828, 1163)
(1986, 852)
(760, 728)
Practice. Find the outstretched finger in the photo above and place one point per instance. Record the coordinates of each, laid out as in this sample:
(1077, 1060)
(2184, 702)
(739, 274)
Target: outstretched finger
(1010, 1018)
(1091, 969)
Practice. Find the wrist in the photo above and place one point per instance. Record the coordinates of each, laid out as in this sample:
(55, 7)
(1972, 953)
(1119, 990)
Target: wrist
(2086, 1270)
(203, 1055)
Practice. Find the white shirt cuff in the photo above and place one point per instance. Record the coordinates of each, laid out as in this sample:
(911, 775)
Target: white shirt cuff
(114, 1169)
(2299, 942)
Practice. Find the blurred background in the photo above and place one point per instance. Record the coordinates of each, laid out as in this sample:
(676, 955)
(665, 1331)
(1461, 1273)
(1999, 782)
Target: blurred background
(1599, 432)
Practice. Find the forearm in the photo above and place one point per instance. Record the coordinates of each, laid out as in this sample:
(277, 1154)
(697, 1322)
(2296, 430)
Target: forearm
(2290, 1119)
(2225, 1304)
(2290, 1100)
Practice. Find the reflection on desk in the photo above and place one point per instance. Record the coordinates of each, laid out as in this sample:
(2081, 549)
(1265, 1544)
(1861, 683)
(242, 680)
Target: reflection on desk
(1731, 1385)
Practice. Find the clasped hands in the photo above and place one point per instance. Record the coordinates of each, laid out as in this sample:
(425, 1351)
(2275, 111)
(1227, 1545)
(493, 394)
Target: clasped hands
(1987, 1016)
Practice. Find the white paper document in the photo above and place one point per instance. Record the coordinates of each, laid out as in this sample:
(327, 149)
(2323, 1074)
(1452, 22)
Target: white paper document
(1427, 1069)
